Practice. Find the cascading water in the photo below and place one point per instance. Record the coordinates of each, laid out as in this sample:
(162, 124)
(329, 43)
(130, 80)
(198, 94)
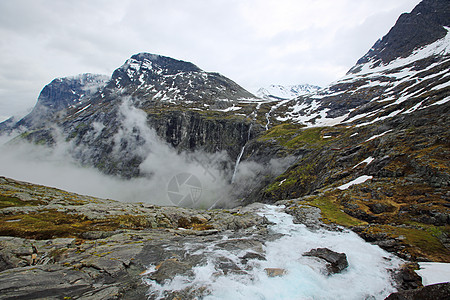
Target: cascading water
(238, 160)
(237, 164)
(366, 277)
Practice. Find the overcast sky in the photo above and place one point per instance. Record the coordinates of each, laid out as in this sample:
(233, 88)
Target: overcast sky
(253, 42)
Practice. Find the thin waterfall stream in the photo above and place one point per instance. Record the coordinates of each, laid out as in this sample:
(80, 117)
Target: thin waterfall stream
(238, 160)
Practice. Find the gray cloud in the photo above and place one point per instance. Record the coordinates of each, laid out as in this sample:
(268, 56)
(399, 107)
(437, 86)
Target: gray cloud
(253, 42)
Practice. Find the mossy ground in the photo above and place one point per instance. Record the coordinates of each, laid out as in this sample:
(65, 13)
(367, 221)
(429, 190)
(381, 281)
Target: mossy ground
(49, 224)
(332, 211)
(294, 136)
(419, 242)
(11, 201)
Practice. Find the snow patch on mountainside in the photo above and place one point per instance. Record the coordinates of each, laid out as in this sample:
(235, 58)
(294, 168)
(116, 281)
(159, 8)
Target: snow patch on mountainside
(440, 47)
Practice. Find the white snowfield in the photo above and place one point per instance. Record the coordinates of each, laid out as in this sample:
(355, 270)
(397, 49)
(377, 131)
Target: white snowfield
(359, 180)
(286, 91)
(433, 273)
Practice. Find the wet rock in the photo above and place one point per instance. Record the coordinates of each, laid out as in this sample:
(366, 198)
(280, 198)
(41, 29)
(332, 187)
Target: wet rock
(305, 214)
(227, 266)
(407, 278)
(242, 244)
(251, 255)
(430, 292)
(168, 269)
(43, 282)
(337, 262)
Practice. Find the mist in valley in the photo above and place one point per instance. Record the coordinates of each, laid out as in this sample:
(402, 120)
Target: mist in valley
(168, 177)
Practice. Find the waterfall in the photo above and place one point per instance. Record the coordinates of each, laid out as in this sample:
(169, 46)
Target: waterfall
(238, 160)
(237, 164)
(267, 118)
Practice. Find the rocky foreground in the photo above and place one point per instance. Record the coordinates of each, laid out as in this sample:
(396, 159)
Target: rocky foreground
(60, 245)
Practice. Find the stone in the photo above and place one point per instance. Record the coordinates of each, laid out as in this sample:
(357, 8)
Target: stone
(275, 272)
(305, 214)
(252, 255)
(337, 262)
(168, 269)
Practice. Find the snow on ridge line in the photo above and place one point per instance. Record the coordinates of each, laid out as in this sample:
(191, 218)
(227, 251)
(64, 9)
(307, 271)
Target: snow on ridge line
(439, 47)
(440, 102)
(286, 91)
(84, 108)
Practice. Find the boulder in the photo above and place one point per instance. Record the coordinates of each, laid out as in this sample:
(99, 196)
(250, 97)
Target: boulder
(251, 255)
(337, 262)
(168, 269)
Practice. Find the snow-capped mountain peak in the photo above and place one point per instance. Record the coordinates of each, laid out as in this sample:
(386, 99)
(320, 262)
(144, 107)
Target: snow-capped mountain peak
(277, 91)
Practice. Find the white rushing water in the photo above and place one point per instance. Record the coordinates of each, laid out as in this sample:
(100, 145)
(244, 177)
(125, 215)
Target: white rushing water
(240, 154)
(367, 276)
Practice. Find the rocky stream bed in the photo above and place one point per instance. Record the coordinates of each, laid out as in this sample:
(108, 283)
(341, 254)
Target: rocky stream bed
(59, 245)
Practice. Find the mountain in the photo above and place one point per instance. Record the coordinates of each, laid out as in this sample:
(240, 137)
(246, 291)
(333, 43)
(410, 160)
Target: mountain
(423, 26)
(284, 92)
(159, 78)
(404, 71)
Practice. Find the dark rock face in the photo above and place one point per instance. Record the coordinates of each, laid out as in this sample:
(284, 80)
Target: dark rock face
(337, 262)
(190, 130)
(407, 278)
(430, 292)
